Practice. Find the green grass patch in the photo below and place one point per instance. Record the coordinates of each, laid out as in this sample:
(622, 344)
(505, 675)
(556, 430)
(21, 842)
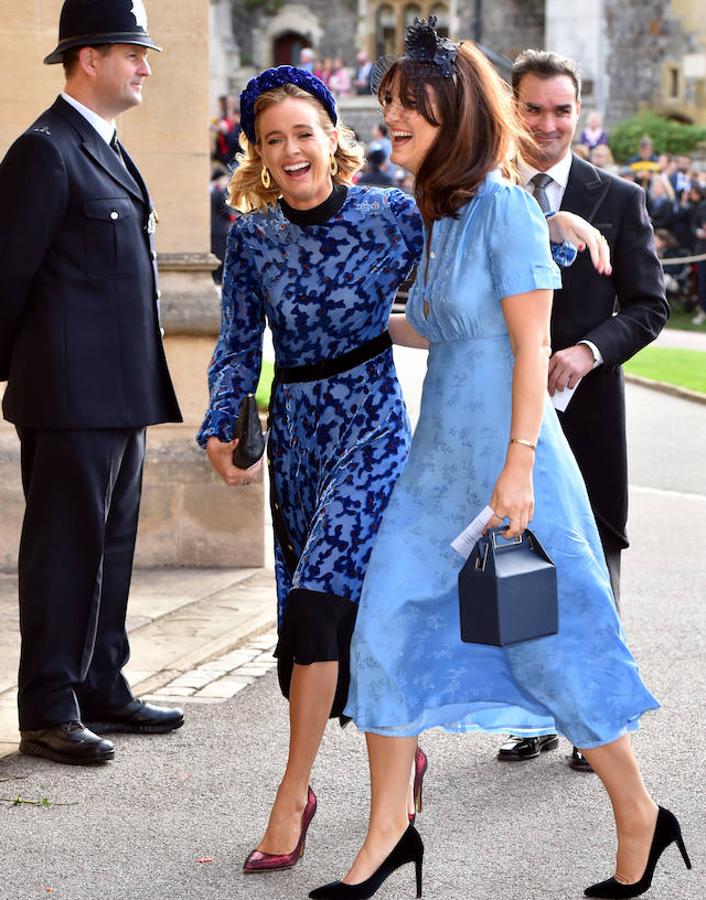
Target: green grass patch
(682, 320)
(262, 394)
(685, 368)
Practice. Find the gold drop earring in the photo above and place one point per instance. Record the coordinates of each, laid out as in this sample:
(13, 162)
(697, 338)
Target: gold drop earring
(333, 166)
(265, 178)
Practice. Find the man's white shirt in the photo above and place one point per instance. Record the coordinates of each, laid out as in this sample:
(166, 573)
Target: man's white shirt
(104, 128)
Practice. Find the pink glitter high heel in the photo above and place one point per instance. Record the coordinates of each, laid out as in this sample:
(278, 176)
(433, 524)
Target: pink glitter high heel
(259, 861)
(421, 764)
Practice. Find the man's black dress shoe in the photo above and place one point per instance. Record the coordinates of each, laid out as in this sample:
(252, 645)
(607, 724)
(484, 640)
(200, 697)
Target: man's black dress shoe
(70, 742)
(140, 718)
(517, 749)
(578, 762)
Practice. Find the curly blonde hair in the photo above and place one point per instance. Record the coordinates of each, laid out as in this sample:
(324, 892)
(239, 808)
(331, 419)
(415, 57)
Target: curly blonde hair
(246, 191)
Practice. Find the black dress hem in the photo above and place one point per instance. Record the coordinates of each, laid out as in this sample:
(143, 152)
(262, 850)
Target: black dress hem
(317, 627)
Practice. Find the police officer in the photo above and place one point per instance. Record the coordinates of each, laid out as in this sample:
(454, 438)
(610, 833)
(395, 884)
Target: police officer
(81, 350)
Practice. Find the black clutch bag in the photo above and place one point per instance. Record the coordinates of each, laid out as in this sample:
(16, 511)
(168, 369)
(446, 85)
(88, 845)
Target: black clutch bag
(507, 591)
(251, 441)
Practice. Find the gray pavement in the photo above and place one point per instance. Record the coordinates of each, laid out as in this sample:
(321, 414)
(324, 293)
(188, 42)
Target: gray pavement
(140, 826)
(686, 340)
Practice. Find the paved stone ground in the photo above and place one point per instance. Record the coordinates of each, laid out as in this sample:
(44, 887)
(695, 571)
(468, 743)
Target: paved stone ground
(178, 619)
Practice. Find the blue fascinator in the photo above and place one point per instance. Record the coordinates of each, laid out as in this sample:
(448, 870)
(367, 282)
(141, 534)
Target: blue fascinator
(274, 78)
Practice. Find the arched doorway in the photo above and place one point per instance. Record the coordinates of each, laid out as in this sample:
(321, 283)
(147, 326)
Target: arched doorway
(287, 47)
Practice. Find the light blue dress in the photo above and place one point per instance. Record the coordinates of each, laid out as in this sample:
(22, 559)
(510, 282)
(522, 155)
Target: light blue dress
(409, 668)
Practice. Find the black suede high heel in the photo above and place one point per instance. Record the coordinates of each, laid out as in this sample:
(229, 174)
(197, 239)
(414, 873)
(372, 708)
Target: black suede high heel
(667, 831)
(408, 849)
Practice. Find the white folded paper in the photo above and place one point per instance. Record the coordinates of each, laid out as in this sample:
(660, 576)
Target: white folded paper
(561, 399)
(470, 535)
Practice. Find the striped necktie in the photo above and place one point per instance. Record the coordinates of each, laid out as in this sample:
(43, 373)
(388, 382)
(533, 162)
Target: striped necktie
(539, 182)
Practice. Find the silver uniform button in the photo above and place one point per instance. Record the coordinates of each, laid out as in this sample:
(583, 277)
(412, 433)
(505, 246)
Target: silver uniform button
(113, 215)
(432, 255)
(159, 294)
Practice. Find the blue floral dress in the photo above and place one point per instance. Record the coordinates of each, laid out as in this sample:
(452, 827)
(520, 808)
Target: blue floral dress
(409, 668)
(325, 281)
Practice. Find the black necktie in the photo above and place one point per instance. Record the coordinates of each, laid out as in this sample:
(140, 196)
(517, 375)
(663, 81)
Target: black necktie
(115, 147)
(539, 182)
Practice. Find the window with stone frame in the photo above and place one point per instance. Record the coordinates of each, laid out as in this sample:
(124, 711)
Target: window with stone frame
(392, 17)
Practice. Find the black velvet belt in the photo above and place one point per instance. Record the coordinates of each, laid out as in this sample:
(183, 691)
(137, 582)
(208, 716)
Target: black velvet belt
(327, 368)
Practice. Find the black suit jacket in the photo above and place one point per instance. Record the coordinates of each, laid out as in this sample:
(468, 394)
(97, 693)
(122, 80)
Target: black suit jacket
(594, 422)
(80, 342)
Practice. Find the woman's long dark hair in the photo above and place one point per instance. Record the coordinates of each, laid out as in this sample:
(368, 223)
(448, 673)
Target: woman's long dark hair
(479, 131)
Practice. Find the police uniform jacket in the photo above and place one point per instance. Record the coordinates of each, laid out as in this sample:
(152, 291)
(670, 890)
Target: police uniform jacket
(80, 340)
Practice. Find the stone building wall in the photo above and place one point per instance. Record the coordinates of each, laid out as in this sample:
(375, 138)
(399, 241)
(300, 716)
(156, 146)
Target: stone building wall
(643, 35)
(330, 26)
(628, 49)
(506, 27)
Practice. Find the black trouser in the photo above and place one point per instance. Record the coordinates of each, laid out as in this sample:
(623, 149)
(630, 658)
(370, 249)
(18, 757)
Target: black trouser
(82, 489)
(612, 550)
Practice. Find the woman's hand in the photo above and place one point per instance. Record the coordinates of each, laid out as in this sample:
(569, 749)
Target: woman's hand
(566, 226)
(513, 495)
(220, 454)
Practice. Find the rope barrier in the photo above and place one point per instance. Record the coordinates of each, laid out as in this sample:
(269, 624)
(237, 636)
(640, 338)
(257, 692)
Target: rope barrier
(682, 260)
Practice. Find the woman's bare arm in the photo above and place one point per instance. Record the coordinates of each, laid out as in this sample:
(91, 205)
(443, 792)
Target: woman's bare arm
(404, 334)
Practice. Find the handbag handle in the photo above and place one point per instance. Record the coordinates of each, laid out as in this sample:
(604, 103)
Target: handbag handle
(496, 533)
(491, 539)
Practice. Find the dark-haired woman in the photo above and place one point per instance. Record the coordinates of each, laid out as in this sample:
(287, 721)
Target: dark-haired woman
(487, 434)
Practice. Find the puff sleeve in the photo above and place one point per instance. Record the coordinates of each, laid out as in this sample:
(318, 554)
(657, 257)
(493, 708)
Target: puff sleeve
(520, 258)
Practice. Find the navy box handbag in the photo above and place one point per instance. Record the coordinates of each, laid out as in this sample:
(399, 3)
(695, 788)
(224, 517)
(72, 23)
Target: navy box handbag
(507, 591)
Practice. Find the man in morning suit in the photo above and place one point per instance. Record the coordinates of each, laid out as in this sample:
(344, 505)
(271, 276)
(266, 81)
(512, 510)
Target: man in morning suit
(598, 322)
(81, 350)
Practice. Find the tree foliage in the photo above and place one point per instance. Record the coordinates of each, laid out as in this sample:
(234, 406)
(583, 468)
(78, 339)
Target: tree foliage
(667, 135)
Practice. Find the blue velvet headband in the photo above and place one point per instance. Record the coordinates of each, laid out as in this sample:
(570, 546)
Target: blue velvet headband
(274, 78)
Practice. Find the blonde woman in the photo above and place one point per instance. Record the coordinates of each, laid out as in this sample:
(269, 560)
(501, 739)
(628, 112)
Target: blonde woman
(321, 260)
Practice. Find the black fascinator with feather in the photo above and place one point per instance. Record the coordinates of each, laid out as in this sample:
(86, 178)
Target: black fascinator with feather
(423, 46)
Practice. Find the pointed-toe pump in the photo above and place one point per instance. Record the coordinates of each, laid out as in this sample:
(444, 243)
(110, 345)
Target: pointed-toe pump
(408, 849)
(421, 764)
(667, 831)
(259, 861)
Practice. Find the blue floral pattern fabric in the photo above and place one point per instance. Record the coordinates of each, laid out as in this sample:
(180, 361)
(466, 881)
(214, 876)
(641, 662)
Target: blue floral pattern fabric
(337, 445)
(409, 668)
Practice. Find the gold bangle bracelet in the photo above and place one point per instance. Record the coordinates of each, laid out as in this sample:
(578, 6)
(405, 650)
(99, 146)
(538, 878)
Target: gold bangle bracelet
(523, 442)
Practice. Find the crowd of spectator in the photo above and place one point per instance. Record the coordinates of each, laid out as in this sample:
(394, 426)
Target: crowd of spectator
(335, 73)
(676, 201)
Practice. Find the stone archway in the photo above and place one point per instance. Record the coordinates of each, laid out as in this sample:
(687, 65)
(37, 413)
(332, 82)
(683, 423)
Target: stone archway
(292, 19)
(287, 47)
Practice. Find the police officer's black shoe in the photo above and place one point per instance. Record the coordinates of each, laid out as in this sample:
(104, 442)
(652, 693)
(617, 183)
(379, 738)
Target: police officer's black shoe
(70, 742)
